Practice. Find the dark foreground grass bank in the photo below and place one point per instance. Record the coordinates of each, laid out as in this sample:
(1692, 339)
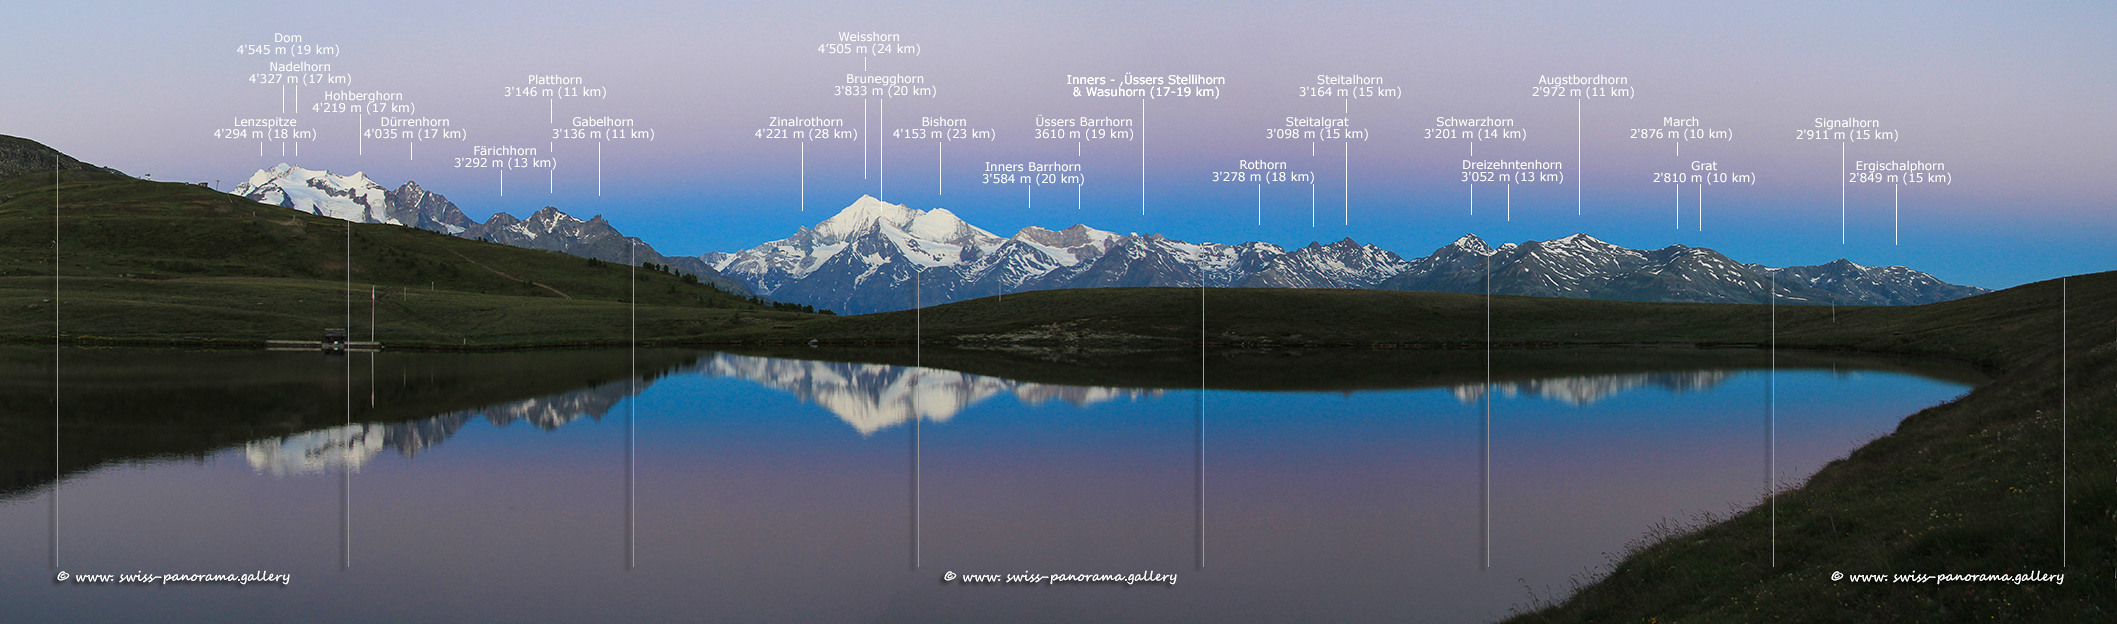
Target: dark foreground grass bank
(2018, 476)
(163, 263)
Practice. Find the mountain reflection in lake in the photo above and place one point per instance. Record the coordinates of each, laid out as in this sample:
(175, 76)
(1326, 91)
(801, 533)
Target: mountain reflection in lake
(1587, 389)
(752, 488)
(348, 447)
(872, 397)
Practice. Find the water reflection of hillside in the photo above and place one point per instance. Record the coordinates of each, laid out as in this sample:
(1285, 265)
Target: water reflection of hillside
(1584, 390)
(351, 446)
(873, 397)
(870, 397)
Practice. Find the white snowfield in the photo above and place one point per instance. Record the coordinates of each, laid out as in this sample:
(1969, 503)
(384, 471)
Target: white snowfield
(939, 239)
(350, 197)
(874, 397)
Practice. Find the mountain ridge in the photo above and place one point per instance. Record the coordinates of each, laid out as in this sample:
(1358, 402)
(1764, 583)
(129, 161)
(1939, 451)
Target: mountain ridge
(357, 198)
(20, 156)
(874, 256)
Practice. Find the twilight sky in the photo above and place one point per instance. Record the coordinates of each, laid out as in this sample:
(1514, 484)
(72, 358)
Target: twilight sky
(2011, 98)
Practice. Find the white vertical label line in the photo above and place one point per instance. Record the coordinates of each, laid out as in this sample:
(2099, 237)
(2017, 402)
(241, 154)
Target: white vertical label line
(918, 494)
(881, 160)
(863, 133)
(56, 164)
(918, 544)
(345, 474)
(631, 409)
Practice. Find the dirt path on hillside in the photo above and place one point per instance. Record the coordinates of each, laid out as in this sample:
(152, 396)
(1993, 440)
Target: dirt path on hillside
(497, 272)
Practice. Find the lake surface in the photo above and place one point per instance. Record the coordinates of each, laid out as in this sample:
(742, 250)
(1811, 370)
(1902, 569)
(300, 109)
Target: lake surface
(721, 487)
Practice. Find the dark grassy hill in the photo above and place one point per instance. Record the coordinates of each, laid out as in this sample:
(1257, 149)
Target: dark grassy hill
(119, 407)
(149, 261)
(1972, 486)
(20, 156)
(1993, 331)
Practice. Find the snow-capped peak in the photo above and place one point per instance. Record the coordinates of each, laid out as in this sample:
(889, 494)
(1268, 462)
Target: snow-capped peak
(1079, 234)
(861, 214)
(1577, 239)
(866, 257)
(941, 225)
(1473, 244)
(349, 197)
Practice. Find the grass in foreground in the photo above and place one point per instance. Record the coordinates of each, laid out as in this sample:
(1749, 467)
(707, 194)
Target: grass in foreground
(152, 262)
(1974, 486)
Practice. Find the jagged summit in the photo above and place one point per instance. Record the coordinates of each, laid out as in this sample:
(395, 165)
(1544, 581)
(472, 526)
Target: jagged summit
(1471, 243)
(876, 256)
(350, 197)
(942, 225)
(859, 216)
(357, 198)
(20, 156)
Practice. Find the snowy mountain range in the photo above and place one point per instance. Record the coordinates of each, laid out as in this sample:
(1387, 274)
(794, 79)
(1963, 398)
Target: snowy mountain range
(1582, 267)
(867, 397)
(1585, 390)
(359, 199)
(875, 256)
(350, 447)
(874, 397)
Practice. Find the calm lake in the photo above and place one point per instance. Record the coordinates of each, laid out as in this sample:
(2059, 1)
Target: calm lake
(724, 487)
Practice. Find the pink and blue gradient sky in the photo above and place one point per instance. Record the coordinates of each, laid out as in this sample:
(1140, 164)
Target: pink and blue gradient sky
(2012, 98)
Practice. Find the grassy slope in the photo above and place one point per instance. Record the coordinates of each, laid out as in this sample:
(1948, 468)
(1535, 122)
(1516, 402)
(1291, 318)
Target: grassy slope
(120, 407)
(1987, 331)
(155, 261)
(1966, 487)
